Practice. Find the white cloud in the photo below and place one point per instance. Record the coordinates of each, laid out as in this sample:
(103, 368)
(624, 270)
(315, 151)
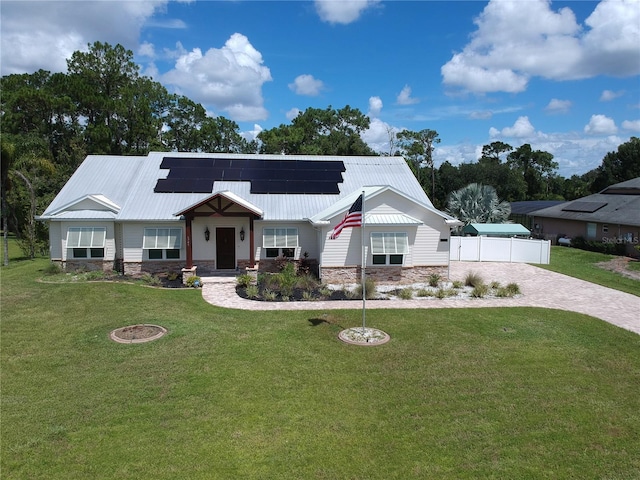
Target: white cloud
(558, 106)
(481, 115)
(375, 106)
(250, 135)
(600, 125)
(522, 128)
(45, 34)
(343, 11)
(515, 41)
(147, 49)
(379, 135)
(292, 113)
(404, 97)
(229, 78)
(608, 95)
(631, 125)
(306, 85)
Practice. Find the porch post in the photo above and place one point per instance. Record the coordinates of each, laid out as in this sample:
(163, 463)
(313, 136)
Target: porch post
(189, 243)
(252, 247)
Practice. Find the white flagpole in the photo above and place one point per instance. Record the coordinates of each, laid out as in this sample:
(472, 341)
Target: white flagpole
(362, 270)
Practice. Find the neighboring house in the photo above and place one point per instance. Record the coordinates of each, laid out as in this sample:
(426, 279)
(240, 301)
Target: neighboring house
(611, 216)
(202, 213)
(495, 230)
(521, 211)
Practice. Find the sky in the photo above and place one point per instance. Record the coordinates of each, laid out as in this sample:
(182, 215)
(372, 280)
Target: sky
(561, 76)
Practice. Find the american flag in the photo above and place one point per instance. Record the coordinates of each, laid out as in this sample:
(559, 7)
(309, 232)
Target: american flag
(353, 218)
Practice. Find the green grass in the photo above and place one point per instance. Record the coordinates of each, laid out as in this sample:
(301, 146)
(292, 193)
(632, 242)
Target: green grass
(582, 264)
(479, 393)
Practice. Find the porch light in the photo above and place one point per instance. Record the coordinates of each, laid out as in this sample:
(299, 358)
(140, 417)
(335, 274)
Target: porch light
(207, 234)
(242, 234)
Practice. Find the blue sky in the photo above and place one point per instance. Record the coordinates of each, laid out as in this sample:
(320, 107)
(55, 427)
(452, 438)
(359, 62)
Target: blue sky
(562, 76)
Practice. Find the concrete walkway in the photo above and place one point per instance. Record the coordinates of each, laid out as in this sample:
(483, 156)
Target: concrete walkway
(539, 287)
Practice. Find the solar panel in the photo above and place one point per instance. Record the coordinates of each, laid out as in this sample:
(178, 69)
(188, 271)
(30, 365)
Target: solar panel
(584, 207)
(197, 175)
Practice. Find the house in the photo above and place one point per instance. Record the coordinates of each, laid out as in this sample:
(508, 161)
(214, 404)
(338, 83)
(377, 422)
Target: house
(202, 213)
(496, 230)
(521, 211)
(610, 216)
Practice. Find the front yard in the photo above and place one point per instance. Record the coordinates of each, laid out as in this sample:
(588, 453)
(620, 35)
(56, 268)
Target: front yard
(473, 393)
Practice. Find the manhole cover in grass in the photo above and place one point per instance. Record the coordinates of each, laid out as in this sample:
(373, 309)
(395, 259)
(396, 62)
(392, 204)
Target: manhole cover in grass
(137, 333)
(364, 336)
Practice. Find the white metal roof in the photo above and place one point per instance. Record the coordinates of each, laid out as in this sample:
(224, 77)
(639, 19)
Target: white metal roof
(129, 182)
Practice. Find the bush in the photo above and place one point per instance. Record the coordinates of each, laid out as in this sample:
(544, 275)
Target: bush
(269, 295)
(150, 279)
(434, 279)
(599, 247)
(194, 281)
(371, 290)
(424, 292)
(457, 284)
(406, 294)
(473, 279)
(252, 291)
(494, 285)
(52, 269)
(171, 276)
(479, 291)
(244, 280)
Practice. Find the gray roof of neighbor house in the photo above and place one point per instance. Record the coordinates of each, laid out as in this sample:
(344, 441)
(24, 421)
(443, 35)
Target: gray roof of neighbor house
(617, 204)
(123, 186)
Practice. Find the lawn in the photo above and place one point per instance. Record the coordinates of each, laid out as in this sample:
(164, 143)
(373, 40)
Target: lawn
(485, 393)
(583, 264)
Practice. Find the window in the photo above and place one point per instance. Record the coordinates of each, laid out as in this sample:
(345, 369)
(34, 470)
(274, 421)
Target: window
(162, 243)
(605, 228)
(280, 242)
(389, 248)
(591, 231)
(86, 242)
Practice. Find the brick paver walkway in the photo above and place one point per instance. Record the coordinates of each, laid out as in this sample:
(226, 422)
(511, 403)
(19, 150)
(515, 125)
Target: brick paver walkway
(539, 287)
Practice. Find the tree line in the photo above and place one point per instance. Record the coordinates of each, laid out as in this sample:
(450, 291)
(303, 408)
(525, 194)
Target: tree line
(104, 105)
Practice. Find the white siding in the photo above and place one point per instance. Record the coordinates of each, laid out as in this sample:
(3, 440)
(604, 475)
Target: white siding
(132, 235)
(307, 237)
(109, 243)
(55, 241)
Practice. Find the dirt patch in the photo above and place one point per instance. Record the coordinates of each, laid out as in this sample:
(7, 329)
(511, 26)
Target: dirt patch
(621, 265)
(137, 333)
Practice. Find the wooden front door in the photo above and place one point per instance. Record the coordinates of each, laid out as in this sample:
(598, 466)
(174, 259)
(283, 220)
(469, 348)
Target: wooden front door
(225, 248)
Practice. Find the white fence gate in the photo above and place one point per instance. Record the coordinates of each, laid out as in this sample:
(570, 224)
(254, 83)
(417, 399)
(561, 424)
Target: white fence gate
(496, 249)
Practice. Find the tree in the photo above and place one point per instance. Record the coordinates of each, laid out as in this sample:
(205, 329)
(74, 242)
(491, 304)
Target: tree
(477, 203)
(319, 132)
(537, 168)
(417, 148)
(22, 161)
(616, 167)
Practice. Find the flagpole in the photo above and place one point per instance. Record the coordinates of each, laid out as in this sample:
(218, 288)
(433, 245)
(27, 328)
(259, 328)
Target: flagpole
(362, 270)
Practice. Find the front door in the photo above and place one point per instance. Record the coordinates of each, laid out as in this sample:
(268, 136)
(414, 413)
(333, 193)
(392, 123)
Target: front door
(225, 248)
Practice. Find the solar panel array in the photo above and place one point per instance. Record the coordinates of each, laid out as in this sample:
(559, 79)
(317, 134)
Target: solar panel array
(197, 175)
(584, 207)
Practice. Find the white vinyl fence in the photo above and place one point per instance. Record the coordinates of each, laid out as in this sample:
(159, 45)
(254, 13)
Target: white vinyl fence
(496, 249)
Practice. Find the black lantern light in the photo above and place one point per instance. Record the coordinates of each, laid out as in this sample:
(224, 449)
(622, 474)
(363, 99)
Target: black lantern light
(242, 234)
(207, 234)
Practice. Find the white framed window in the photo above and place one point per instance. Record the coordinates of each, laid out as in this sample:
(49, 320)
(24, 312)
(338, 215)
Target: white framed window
(389, 248)
(86, 242)
(162, 243)
(279, 242)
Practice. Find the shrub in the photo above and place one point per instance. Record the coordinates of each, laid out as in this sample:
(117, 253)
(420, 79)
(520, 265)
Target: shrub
(424, 292)
(406, 294)
(171, 276)
(150, 279)
(194, 281)
(513, 288)
(325, 292)
(473, 279)
(307, 282)
(441, 293)
(480, 291)
(457, 284)
(269, 295)
(371, 290)
(307, 296)
(52, 269)
(434, 279)
(244, 280)
(494, 285)
(252, 291)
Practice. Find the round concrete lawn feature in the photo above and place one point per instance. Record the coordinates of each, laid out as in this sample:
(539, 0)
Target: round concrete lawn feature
(364, 336)
(137, 333)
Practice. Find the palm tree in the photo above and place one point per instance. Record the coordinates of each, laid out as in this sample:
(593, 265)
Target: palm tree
(478, 203)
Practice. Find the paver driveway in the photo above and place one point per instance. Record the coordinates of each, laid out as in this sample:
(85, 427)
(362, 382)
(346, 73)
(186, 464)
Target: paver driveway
(539, 287)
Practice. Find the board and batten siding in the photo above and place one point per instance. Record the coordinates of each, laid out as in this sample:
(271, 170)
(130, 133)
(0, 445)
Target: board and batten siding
(109, 243)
